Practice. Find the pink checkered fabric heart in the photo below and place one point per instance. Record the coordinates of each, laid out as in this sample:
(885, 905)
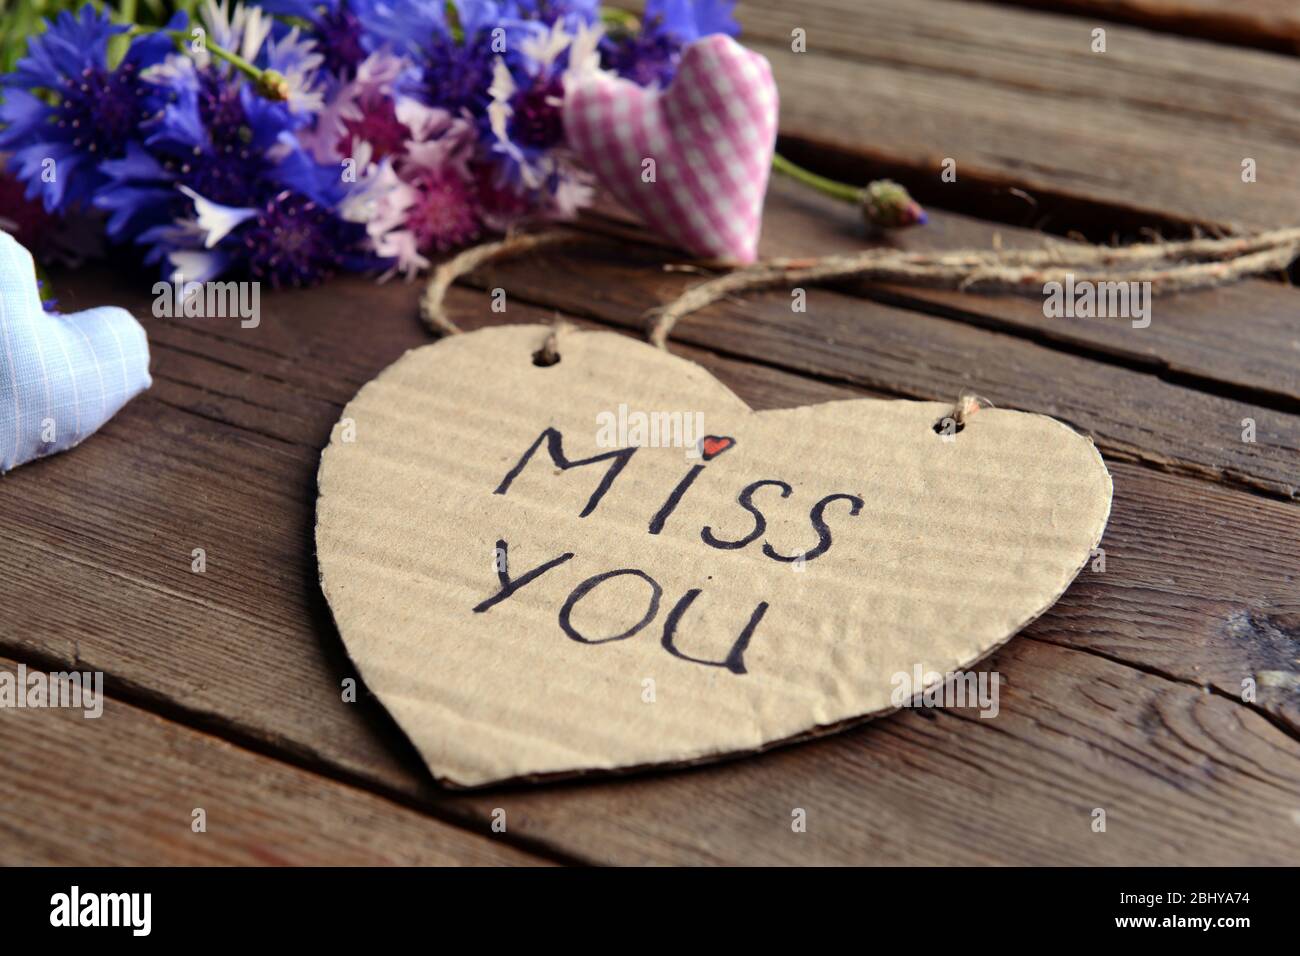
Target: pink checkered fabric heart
(711, 134)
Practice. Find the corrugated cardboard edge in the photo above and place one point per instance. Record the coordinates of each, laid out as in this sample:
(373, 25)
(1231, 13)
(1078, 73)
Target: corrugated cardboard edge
(822, 730)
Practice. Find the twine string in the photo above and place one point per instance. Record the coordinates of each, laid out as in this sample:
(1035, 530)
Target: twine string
(433, 302)
(966, 407)
(549, 353)
(1169, 267)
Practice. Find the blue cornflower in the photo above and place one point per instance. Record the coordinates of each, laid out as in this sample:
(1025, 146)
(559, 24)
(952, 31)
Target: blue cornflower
(650, 56)
(289, 239)
(218, 182)
(58, 147)
(335, 25)
(454, 46)
(647, 58)
(691, 19)
(218, 136)
(221, 184)
(456, 75)
(213, 134)
(293, 236)
(571, 14)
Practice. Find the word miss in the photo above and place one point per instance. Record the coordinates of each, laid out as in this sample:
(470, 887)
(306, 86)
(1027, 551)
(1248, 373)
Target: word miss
(615, 462)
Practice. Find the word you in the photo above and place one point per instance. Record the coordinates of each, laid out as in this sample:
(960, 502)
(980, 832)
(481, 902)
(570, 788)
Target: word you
(73, 690)
(75, 908)
(958, 689)
(1098, 300)
(209, 300)
(637, 429)
(711, 446)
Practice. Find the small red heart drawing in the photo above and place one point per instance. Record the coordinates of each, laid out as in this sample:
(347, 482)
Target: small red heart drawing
(714, 445)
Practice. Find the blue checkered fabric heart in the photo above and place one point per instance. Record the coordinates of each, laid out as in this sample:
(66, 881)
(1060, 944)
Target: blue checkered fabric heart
(61, 376)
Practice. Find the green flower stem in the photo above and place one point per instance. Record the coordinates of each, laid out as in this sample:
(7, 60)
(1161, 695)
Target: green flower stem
(616, 19)
(117, 45)
(221, 53)
(836, 190)
(267, 81)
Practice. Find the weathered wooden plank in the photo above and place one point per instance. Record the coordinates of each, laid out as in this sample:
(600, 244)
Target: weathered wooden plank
(1163, 603)
(1267, 24)
(1130, 413)
(247, 648)
(1240, 339)
(121, 790)
(403, 331)
(1155, 127)
(95, 558)
(1184, 778)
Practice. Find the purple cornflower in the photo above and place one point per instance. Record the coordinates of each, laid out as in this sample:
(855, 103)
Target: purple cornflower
(445, 214)
(650, 56)
(454, 47)
(356, 133)
(294, 241)
(336, 26)
(221, 183)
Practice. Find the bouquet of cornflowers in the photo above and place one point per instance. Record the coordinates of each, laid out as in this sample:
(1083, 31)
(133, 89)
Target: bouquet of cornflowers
(289, 140)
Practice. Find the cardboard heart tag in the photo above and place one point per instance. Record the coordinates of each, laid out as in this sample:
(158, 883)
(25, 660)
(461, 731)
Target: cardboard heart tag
(537, 572)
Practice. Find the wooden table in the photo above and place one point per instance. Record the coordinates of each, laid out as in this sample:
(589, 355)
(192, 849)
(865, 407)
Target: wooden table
(224, 687)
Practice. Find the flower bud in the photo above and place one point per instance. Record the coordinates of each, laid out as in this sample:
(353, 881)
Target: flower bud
(273, 85)
(888, 205)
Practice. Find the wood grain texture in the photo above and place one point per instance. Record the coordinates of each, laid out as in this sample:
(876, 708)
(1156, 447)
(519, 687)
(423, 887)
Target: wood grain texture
(1156, 126)
(1131, 414)
(1267, 24)
(247, 649)
(1192, 777)
(1126, 696)
(121, 789)
(1241, 339)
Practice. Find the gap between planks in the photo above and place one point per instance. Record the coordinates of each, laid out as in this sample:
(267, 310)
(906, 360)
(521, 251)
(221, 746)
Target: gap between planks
(1199, 340)
(1269, 482)
(275, 743)
(852, 390)
(216, 418)
(1272, 25)
(1024, 106)
(141, 699)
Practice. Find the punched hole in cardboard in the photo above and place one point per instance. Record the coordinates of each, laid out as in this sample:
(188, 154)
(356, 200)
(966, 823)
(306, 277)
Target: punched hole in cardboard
(544, 358)
(954, 423)
(948, 426)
